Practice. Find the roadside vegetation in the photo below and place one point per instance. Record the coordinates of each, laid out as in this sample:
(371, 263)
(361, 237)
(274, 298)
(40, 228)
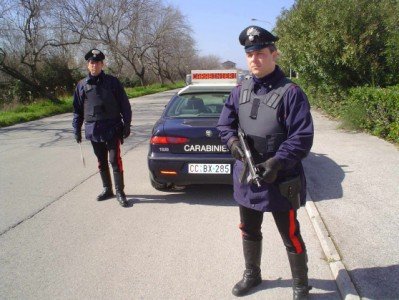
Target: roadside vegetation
(41, 108)
(42, 47)
(44, 108)
(152, 89)
(345, 54)
(43, 43)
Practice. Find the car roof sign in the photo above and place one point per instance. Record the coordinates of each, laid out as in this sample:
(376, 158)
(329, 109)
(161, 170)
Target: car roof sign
(219, 77)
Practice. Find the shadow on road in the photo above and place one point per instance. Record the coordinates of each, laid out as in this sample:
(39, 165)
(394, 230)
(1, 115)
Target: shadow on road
(324, 177)
(35, 125)
(198, 195)
(325, 285)
(58, 129)
(377, 282)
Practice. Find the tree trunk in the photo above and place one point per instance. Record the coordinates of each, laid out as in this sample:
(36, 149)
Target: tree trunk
(35, 86)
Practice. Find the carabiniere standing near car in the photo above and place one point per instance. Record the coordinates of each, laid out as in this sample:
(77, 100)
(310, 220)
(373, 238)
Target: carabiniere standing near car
(275, 116)
(101, 102)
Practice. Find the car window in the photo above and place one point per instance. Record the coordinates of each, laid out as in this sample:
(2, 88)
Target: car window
(197, 105)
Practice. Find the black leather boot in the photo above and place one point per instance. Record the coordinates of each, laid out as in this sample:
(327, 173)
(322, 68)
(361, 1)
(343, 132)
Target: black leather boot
(107, 184)
(299, 270)
(119, 187)
(252, 276)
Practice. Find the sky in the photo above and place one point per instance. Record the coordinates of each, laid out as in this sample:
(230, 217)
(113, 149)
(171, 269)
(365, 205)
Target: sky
(216, 24)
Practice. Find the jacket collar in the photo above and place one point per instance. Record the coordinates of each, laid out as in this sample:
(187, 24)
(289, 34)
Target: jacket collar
(95, 79)
(271, 79)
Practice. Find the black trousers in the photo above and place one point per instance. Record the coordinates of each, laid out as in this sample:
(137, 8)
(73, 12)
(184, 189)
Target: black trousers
(286, 222)
(108, 150)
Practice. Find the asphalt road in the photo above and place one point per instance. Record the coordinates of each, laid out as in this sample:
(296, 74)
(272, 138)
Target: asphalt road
(56, 241)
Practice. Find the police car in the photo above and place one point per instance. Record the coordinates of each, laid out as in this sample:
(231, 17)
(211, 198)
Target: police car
(185, 147)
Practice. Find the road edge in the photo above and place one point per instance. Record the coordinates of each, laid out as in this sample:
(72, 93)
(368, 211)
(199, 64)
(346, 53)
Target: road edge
(338, 270)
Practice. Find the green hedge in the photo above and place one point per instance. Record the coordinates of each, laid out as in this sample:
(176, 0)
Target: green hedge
(375, 110)
(370, 109)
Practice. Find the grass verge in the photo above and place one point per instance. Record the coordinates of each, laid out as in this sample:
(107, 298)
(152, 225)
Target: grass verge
(33, 111)
(45, 108)
(152, 89)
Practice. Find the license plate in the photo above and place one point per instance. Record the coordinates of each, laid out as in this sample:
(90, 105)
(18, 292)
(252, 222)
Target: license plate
(209, 168)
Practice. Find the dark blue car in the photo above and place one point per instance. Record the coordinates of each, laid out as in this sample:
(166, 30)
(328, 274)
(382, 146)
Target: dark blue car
(185, 147)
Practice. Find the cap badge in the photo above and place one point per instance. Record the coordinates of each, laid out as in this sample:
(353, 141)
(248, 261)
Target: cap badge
(95, 53)
(251, 33)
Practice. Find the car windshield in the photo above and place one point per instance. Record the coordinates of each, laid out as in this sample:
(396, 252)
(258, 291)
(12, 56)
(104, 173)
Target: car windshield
(197, 105)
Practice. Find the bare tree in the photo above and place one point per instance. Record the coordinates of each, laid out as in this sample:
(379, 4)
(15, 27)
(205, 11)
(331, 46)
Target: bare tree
(146, 34)
(120, 25)
(174, 47)
(30, 31)
(207, 62)
(174, 55)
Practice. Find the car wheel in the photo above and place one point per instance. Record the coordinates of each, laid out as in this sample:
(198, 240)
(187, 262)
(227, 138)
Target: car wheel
(160, 186)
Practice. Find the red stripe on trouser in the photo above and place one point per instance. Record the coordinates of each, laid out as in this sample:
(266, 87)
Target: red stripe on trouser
(118, 156)
(294, 239)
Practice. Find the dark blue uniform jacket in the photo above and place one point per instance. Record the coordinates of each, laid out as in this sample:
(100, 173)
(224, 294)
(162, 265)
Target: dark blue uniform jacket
(294, 115)
(104, 130)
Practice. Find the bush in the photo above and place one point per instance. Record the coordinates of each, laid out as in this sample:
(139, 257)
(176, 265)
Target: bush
(15, 92)
(327, 98)
(56, 76)
(375, 110)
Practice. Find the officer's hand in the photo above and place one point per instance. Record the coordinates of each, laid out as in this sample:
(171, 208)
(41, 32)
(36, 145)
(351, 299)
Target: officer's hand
(78, 137)
(126, 130)
(269, 169)
(236, 150)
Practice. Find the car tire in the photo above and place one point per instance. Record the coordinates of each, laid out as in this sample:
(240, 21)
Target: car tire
(160, 186)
